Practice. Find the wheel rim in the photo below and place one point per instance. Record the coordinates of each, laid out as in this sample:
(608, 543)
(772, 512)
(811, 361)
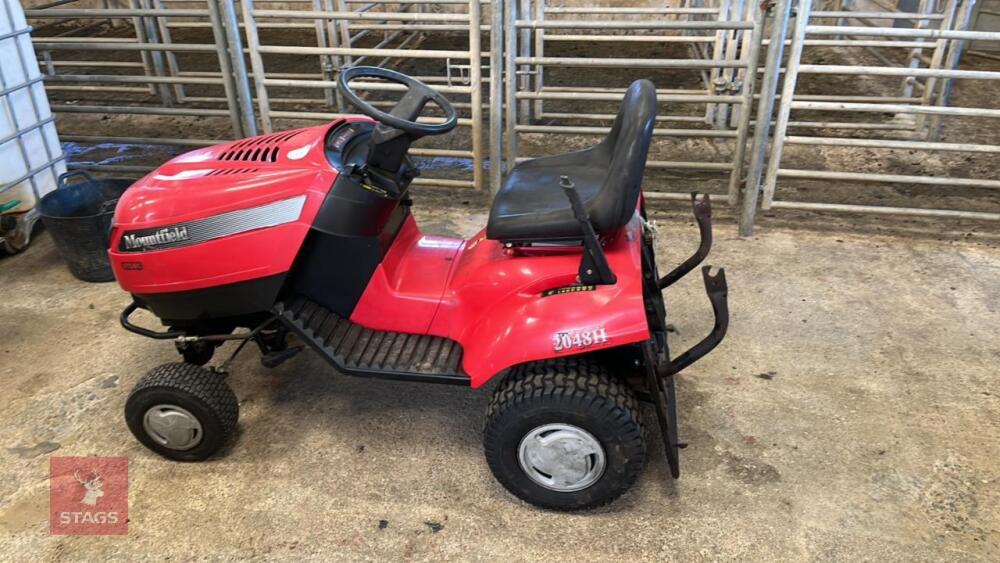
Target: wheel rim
(562, 457)
(172, 427)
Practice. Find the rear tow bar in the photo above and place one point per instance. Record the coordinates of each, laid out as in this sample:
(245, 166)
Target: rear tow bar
(660, 369)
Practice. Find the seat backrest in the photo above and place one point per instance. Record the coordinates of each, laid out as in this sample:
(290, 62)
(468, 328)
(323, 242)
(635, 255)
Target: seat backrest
(625, 149)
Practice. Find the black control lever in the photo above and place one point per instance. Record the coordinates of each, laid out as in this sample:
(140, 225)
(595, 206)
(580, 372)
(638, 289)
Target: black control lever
(594, 267)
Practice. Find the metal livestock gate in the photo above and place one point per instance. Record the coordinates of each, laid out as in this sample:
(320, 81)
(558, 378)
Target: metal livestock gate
(909, 119)
(743, 73)
(722, 41)
(198, 60)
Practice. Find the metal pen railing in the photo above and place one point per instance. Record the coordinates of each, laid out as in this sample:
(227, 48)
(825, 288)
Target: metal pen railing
(161, 73)
(397, 45)
(919, 134)
(527, 63)
(156, 58)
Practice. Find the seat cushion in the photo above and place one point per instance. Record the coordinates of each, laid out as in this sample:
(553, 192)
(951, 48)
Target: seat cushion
(532, 206)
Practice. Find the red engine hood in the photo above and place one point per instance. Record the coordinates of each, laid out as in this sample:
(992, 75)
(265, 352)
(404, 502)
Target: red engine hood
(230, 176)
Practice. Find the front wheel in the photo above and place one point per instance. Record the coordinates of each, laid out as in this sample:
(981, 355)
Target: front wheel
(182, 411)
(564, 434)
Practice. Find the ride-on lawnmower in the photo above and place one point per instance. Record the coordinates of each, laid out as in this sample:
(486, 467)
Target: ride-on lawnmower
(310, 232)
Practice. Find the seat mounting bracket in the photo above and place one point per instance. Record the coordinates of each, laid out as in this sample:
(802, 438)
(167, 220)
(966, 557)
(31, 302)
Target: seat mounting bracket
(594, 267)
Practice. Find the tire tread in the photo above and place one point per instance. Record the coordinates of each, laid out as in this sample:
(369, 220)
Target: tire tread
(575, 379)
(207, 386)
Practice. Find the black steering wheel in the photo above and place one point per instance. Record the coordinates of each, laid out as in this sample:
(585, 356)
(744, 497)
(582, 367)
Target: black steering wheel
(404, 115)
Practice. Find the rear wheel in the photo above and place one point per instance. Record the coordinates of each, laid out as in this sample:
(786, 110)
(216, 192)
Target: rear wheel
(182, 412)
(564, 434)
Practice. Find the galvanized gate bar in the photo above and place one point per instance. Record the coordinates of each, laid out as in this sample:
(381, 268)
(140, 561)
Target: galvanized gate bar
(721, 106)
(162, 74)
(496, 95)
(517, 65)
(335, 23)
(943, 69)
(787, 96)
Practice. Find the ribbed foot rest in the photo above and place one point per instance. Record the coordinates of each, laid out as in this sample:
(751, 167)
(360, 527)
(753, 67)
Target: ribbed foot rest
(356, 350)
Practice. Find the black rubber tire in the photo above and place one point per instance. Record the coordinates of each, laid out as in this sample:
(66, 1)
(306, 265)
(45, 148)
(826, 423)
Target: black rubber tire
(201, 392)
(12, 249)
(196, 353)
(573, 391)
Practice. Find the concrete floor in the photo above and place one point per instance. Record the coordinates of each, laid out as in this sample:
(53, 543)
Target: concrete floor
(852, 414)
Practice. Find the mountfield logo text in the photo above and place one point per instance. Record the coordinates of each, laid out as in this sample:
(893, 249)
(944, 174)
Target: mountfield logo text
(168, 235)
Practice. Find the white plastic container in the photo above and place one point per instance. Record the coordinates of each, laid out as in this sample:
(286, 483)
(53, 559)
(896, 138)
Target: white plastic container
(31, 159)
(986, 18)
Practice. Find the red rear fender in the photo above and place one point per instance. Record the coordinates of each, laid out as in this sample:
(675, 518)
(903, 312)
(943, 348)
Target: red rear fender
(510, 306)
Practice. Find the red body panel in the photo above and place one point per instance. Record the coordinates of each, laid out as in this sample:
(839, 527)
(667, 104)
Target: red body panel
(166, 197)
(487, 297)
(213, 263)
(406, 290)
(492, 301)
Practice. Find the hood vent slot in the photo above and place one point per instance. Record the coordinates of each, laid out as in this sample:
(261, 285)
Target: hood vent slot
(264, 148)
(231, 171)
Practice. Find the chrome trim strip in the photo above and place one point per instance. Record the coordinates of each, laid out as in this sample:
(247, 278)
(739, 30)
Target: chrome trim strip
(217, 226)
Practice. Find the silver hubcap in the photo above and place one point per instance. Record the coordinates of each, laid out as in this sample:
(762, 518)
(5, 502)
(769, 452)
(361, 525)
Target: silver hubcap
(561, 457)
(172, 427)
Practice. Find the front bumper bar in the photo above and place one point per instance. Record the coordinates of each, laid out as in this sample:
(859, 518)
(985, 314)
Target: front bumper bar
(148, 333)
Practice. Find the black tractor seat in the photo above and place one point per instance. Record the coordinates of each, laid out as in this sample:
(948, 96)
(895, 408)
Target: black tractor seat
(531, 206)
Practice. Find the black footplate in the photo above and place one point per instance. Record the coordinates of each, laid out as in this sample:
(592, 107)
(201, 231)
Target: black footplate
(356, 350)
